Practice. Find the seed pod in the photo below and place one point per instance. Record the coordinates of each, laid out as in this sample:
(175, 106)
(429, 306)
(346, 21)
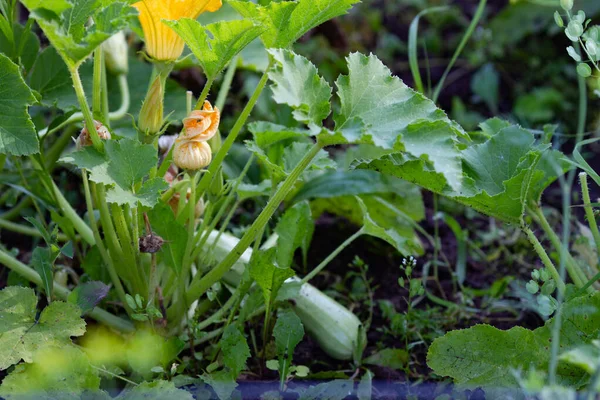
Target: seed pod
(191, 155)
(84, 138)
(115, 54)
(151, 243)
(202, 125)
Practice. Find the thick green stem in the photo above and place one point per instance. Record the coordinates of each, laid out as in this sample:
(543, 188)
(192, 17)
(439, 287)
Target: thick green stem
(233, 134)
(539, 249)
(31, 275)
(226, 84)
(204, 94)
(68, 211)
(589, 211)
(107, 260)
(97, 85)
(85, 109)
(331, 256)
(200, 286)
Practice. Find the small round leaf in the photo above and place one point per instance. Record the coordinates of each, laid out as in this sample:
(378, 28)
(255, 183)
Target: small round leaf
(584, 70)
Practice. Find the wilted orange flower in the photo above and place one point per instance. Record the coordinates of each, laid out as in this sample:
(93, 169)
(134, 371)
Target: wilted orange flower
(191, 155)
(162, 43)
(203, 124)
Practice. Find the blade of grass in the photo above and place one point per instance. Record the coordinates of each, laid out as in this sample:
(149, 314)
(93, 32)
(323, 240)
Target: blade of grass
(460, 48)
(413, 58)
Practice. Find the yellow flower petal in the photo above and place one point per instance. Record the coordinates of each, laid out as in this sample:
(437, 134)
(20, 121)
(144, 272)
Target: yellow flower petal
(162, 43)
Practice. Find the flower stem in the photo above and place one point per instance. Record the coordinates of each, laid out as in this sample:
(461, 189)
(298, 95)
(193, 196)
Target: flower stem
(331, 256)
(80, 226)
(62, 293)
(108, 261)
(97, 85)
(233, 134)
(574, 270)
(85, 109)
(539, 249)
(198, 287)
(589, 211)
(204, 94)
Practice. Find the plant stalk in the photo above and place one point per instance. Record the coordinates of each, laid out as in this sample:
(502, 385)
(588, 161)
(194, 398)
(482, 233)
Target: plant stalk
(199, 287)
(539, 249)
(589, 211)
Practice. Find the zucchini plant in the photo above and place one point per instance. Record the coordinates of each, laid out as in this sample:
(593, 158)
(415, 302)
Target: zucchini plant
(161, 177)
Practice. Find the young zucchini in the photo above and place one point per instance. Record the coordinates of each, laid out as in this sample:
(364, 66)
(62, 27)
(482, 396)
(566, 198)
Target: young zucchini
(335, 328)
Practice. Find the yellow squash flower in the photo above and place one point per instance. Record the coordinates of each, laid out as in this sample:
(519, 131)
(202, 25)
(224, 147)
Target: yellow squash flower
(162, 43)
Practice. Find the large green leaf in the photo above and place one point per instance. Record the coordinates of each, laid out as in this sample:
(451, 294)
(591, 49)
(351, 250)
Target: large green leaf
(287, 21)
(362, 182)
(500, 176)
(21, 335)
(17, 133)
(215, 45)
(381, 110)
(124, 166)
(296, 82)
(54, 373)
(396, 232)
(64, 23)
(22, 47)
(486, 356)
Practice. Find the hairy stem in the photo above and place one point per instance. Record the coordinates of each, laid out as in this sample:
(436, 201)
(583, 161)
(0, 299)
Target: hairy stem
(233, 134)
(85, 109)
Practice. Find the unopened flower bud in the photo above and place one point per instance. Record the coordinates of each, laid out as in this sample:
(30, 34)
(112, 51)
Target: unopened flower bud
(191, 155)
(85, 139)
(202, 125)
(151, 114)
(115, 54)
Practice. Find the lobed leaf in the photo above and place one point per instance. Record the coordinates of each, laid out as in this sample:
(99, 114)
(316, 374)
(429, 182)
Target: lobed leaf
(54, 373)
(486, 356)
(21, 335)
(215, 45)
(296, 82)
(287, 21)
(123, 167)
(17, 133)
(64, 24)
